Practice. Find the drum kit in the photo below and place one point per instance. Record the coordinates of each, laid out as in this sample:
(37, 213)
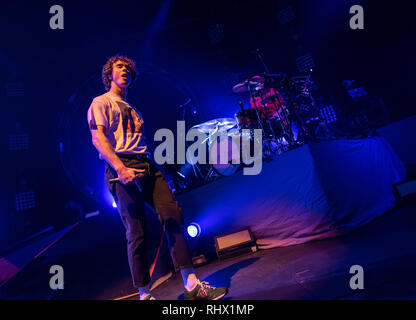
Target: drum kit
(213, 129)
(283, 109)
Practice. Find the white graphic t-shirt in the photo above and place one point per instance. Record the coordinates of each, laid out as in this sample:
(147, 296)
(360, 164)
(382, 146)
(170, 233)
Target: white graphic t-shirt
(124, 124)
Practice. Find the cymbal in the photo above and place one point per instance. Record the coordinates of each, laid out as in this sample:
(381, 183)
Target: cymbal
(253, 83)
(220, 124)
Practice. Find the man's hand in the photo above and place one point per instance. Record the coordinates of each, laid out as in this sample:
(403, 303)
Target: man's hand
(100, 141)
(127, 175)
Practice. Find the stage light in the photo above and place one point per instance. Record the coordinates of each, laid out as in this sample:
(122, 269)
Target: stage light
(286, 15)
(305, 63)
(405, 190)
(114, 204)
(233, 244)
(328, 114)
(18, 142)
(24, 200)
(194, 230)
(15, 89)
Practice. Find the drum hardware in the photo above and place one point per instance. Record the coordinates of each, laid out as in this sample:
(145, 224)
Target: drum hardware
(276, 80)
(226, 149)
(275, 118)
(236, 155)
(183, 107)
(217, 141)
(275, 124)
(280, 104)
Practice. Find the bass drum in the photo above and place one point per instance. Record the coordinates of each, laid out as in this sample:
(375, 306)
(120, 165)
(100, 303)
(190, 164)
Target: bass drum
(230, 153)
(225, 155)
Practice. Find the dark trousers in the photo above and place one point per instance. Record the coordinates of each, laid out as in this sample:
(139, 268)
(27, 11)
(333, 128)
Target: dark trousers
(131, 206)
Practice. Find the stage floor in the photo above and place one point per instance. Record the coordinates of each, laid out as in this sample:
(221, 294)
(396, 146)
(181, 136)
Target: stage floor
(320, 270)
(96, 267)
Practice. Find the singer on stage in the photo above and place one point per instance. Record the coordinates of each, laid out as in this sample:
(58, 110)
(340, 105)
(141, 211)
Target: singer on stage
(117, 133)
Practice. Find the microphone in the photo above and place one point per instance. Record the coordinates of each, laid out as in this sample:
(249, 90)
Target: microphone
(136, 181)
(138, 184)
(185, 104)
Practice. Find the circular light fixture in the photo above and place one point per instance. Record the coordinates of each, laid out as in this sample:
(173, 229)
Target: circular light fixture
(194, 230)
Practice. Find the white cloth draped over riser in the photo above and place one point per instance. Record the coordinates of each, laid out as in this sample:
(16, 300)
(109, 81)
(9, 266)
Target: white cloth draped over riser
(313, 192)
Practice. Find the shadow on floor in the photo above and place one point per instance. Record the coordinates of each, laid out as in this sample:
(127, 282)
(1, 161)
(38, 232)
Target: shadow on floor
(222, 278)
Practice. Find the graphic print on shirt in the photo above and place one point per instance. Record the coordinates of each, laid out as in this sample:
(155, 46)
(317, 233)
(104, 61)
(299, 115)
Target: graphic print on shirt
(132, 122)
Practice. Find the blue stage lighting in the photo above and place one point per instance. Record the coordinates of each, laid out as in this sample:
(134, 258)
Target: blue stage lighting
(194, 230)
(114, 204)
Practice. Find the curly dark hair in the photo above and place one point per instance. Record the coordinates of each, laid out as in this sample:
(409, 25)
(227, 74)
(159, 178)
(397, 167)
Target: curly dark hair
(108, 69)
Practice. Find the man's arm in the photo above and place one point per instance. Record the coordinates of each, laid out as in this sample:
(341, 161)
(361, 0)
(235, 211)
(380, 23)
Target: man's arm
(101, 143)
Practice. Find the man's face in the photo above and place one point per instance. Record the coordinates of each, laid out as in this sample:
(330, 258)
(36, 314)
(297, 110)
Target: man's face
(121, 74)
